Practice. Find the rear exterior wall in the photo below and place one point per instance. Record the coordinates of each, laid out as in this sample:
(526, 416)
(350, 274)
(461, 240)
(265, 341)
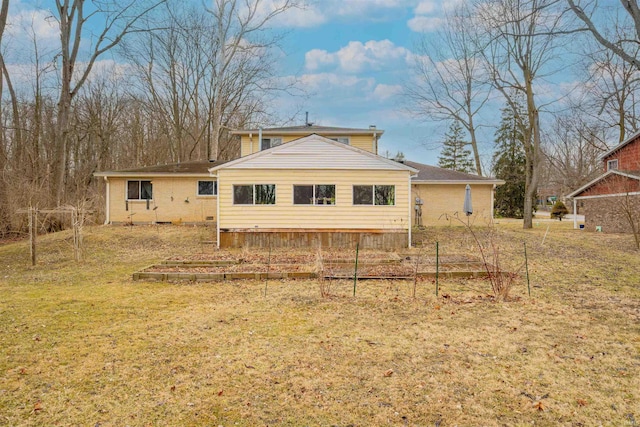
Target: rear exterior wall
(445, 200)
(175, 200)
(284, 215)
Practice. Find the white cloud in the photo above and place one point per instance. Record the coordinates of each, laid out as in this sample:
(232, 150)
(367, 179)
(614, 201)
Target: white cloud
(361, 7)
(313, 13)
(317, 58)
(425, 7)
(325, 82)
(34, 22)
(357, 57)
(302, 17)
(384, 91)
(425, 24)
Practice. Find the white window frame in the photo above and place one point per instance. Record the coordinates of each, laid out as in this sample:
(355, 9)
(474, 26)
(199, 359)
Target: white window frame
(253, 195)
(215, 188)
(612, 164)
(341, 139)
(373, 194)
(315, 199)
(271, 143)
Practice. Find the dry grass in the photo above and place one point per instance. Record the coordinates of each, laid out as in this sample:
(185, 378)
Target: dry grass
(84, 345)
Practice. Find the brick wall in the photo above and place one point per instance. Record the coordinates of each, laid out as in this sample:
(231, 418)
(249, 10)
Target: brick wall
(610, 213)
(613, 184)
(628, 156)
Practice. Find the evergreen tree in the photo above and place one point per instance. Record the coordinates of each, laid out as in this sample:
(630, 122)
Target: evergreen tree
(454, 154)
(509, 163)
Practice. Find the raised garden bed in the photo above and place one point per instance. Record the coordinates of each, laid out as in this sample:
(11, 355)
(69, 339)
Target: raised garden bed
(308, 266)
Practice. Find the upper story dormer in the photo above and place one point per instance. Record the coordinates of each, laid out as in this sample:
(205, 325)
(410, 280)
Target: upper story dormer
(625, 156)
(254, 140)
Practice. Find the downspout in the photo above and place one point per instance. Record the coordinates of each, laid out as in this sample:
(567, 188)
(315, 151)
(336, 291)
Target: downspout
(259, 140)
(575, 213)
(107, 200)
(409, 208)
(217, 211)
(250, 142)
(493, 210)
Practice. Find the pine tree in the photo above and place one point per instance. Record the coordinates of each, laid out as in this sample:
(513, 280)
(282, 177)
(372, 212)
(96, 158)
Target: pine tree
(509, 163)
(454, 154)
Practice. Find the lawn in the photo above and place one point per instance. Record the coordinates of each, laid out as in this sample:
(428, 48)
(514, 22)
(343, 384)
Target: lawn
(83, 344)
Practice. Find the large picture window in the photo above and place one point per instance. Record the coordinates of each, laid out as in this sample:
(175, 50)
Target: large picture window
(254, 194)
(319, 194)
(139, 190)
(381, 195)
(207, 188)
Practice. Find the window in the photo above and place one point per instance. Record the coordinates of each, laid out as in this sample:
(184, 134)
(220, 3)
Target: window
(265, 194)
(267, 143)
(255, 194)
(207, 188)
(381, 195)
(320, 194)
(341, 139)
(139, 190)
(612, 164)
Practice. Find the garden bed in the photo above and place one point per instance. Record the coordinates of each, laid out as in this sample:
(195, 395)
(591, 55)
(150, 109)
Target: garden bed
(286, 266)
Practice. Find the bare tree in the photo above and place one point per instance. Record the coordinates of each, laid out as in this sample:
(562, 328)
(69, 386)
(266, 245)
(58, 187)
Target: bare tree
(519, 45)
(4, 206)
(573, 152)
(118, 20)
(239, 28)
(611, 95)
(448, 84)
(626, 47)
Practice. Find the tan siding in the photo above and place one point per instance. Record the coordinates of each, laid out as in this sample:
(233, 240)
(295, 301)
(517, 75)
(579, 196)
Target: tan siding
(441, 199)
(284, 214)
(169, 195)
(252, 145)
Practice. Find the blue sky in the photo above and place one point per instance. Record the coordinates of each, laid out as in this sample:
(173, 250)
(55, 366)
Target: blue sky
(351, 56)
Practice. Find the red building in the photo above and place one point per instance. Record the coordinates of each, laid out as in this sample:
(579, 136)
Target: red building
(611, 202)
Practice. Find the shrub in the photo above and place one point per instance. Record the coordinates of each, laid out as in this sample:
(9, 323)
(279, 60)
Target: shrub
(559, 210)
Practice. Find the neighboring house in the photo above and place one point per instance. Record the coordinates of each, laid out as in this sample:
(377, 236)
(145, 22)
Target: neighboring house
(299, 186)
(608, 200)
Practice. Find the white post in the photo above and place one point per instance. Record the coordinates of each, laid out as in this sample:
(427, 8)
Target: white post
(108, 202)
(410, 207)
(218, 211)
(575, 214)
(493, 210)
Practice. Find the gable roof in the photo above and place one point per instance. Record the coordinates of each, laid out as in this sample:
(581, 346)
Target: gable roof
(602, 178)
(435, 175)
(199, 168)
(314, 152)
(635, 136)
(311, 129)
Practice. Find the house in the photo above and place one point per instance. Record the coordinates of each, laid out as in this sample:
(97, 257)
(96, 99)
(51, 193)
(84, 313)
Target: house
(442, 193)
(609, 201)
(298, 186)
